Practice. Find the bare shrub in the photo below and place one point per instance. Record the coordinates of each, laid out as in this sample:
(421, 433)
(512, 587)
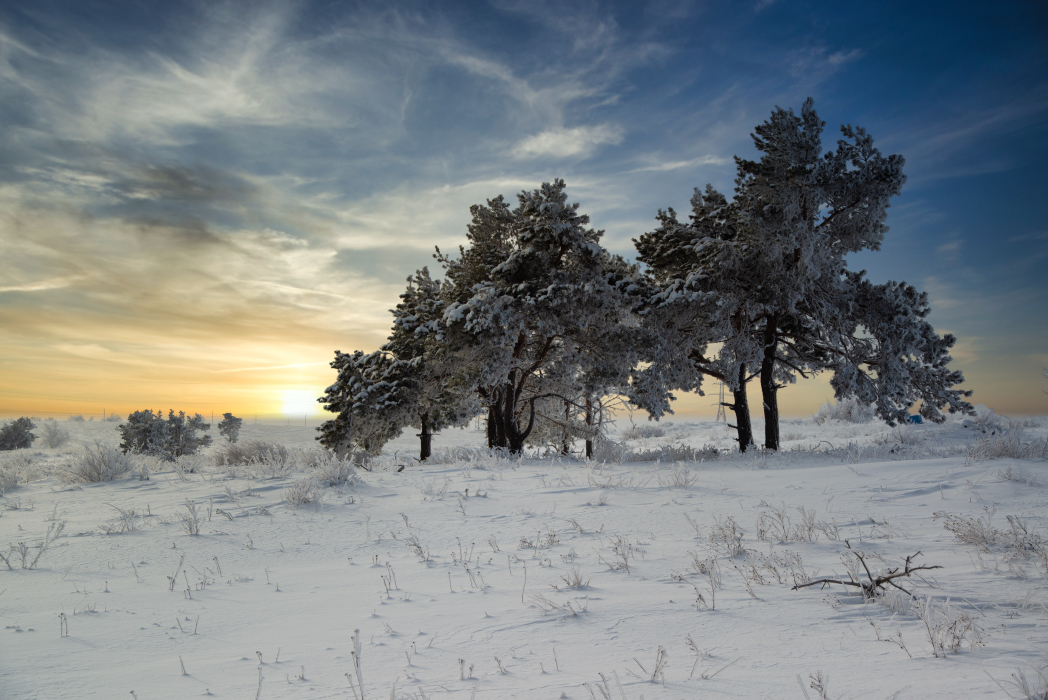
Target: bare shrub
(98, 463)
(52, 435)
(846, 410)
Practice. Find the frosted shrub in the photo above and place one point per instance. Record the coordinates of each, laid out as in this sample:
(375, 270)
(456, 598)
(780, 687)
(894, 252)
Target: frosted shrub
(619, 453)
(330, 470)
(52, 434)
(847, 410)
(638, 432)
(302, 492)
(98, 463)
(76, 419)
(266, 460)
(996, 445)
(8, 479)
(17, 469)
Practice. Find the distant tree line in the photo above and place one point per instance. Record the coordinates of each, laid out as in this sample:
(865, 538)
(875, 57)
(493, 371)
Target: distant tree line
(538, 327)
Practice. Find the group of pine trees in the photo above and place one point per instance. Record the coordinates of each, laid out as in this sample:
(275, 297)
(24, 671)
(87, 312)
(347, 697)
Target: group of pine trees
(538, 327)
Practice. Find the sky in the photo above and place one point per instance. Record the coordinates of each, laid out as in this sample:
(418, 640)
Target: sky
(201, 202)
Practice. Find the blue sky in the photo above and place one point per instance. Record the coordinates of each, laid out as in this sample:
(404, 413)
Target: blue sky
(206, 199)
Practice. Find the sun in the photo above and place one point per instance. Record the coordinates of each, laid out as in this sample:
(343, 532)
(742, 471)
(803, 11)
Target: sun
(298, 402)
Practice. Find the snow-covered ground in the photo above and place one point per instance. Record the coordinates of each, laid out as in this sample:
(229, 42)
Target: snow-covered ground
(489, 578)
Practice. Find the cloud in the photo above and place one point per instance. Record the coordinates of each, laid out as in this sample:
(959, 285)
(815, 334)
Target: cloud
(269, 368)
(817, 63)
(42, 285)
(564, 143)
(682, 164)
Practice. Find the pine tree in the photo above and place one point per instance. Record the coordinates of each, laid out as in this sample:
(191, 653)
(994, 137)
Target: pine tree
(543, 294)
(765, 275)
(437, 396)
(372, 397)
(146, 432)
(229, 427)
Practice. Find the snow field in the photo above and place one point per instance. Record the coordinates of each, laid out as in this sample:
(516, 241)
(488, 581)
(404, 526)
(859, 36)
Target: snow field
(475, 560)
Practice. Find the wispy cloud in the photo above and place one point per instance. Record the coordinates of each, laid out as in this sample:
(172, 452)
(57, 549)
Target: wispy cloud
(564, 143)
(42, 285)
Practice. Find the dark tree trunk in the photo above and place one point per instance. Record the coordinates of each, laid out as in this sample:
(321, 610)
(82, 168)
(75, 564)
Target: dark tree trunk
(427, 439)
(769, 391)
(741, 407)
(566, 447)
(589, 423)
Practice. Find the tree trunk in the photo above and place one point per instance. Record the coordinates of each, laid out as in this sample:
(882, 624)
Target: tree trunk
(769, 391)
(566, 447)
(427, 439)
(491, 427)
(589, 423)
(741, 407)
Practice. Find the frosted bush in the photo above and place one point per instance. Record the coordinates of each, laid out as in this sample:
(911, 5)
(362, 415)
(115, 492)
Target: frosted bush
(303, 492)
(330, 470)
(98, 463)
(847, 410)
(266, 460)
(52, 434)
(1011, 444)
(619, 453)
(645, 430)
(8, 479)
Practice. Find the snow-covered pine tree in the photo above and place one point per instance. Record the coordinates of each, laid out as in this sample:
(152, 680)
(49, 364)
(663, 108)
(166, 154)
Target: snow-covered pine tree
(768, 271)
(146, 432)
(229, 427)
(697, 296)
(437, 395)
(553, 297)
(373, 399)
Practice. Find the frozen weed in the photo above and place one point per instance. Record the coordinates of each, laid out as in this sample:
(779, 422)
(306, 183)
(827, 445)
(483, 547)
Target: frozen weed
(1016, 474)
(680, 478)
(725, 534)
(190, 519)
(948, 626)
(574, 578)
(621, 553)
(124, 522)
(331, 470)
(1000, 444)
(1019, 539)
(303, 492)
